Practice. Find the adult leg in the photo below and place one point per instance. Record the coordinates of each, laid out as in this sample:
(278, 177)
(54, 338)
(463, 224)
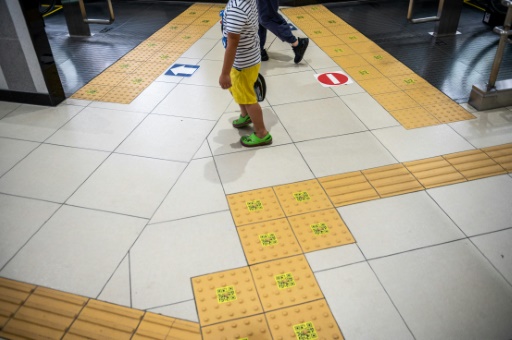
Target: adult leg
(274, 22)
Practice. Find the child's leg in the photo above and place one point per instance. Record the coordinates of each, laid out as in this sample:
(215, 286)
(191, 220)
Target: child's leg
(254, 111)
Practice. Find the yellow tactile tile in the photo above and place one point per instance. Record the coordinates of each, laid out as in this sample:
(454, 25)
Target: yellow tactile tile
(414, 117)
(100, 320)
(379, 58)
(378, 86)
(225, 295)
(392, 180)
(122, 94)
(172, 27)
(254, 327)
(348, 188)
(339, 30)
(332, 40)
(108, 78)
(92, 92)
(394, 101)
(153, 326)
(352, 61)
(268, 240)
(427, 95)
(154, 69)
(312, 320)
(317, 31)
(392, 69)
(12, 296)
(501, 154)
(434, 172)
(138, 55)
(366, 47)
(291, 11)
(184, 330)
(447, 111)
(363, 71)
(320, 230)
(301, 197)
(340, 50)
(124, 66)
(353, 38)
(255, 206)
(285, 282)
(409, 81)
(137, 80)
(45, 314)
(163, 56)
(176, 46)
(474, 164)
(302, 20)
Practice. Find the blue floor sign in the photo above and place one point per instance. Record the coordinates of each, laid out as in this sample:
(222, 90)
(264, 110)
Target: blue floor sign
(181, 70)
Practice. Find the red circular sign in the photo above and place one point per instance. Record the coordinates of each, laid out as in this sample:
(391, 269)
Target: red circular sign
(332, 78)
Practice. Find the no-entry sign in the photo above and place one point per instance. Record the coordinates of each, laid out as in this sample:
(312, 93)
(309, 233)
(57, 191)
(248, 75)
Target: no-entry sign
(329, 79)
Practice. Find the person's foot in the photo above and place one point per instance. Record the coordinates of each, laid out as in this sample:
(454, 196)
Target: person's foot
(264, 55)
(242, 121)
(253, 140)
(300, 49)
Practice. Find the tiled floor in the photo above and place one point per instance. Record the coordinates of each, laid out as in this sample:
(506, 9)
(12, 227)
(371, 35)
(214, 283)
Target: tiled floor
(126, 203)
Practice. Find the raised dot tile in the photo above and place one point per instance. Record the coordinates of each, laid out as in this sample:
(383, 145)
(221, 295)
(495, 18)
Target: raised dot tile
(254, 327)
(254, 206)
(301, 197)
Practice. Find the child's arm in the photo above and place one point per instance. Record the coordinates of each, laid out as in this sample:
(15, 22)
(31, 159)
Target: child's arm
(229, 59)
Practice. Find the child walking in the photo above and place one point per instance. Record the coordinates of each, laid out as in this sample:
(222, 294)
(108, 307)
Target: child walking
(242, 60)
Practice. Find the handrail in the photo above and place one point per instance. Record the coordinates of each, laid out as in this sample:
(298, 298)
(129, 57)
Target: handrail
(97, 21)
(504, 33)
(426, 19)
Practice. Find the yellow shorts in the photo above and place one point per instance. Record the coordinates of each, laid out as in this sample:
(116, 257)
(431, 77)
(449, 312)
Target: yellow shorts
(242, 82)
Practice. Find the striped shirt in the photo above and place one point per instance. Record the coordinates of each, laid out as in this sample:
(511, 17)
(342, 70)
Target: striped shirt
(241, 17)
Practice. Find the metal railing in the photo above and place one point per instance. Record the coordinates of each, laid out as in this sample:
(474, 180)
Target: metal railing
(504, 33)
(426, 19)
(97, 21)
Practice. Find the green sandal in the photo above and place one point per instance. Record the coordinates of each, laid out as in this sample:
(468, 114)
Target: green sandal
(242, 121)
(253, 140)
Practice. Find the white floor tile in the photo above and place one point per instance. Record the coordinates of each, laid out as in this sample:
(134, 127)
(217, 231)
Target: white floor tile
(195, 102)
(201, 47)
(117, 290)
(198, 191)
(164, 258)
(76, 251)
(77, 102)
(204, 151)
(281, 62)
(493, 127)
(317, 58)
(7, 107)
(497, 247)
(171, 78)
(36, 123)
(427, 142)
(51, 172)
(206, 75)
(398, 224)
(20, 218)
(336, 155)
(128, 185)
(145, 102)
(295, 87)
(334, 257)
(360, 305)
(260, 168)
(182, 310)
(214, 32)
(12, 151)
(369, 111)
(317, 119)
(478, 206)
(97, 129)
(224, 138)
(216, 53)
(448, 292)
(167, 137)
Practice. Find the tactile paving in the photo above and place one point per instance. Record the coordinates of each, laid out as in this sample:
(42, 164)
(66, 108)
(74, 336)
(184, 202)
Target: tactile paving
(474, 164)
(501, 154)
(379, 58)
(302, 197)
(12, 296)
(45, 314)
(100, 320)
(448, 111)
(392, 69)
(268, 240)
(225, 295)
(338, 50)
(366, 47)
(285, 282)
(184, 330)
(122, 94)
(363, 72)
(254, 327)
(378, 86)
(392, 180)
(394, 101)
(308, 321)
(414, 117)
(351, 61)
(409, 81)
(320, 230)
(434, 172)
(348, 188)
(255, 206)
(153, 326)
